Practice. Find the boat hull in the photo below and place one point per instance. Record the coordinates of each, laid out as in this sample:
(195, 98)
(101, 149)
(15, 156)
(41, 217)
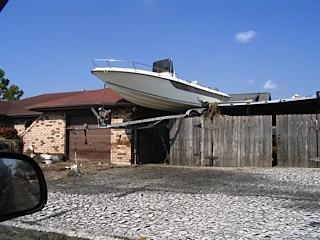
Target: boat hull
(156, 91)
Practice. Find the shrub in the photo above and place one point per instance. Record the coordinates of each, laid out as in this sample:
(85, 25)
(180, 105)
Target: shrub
(7, 132)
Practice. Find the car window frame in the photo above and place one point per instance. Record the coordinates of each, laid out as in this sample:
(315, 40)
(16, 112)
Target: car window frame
(42, 186)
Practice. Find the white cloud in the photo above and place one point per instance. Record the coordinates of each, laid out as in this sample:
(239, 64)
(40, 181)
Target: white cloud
(270, 85)
(244, 37)
(250, 81)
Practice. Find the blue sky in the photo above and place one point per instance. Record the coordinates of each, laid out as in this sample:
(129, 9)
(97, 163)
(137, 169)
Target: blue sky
(237, 46)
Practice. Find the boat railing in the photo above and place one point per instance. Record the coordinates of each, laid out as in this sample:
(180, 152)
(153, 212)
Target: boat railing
(113, 63)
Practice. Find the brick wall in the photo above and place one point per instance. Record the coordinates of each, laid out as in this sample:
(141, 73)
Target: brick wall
(46, 134)
(121, 139)
(20, 125)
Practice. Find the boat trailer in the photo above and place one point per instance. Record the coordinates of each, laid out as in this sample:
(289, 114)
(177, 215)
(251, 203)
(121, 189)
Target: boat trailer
(103, 115)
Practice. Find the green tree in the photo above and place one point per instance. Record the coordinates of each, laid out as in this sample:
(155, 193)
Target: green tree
(11, 93)
(3, 82)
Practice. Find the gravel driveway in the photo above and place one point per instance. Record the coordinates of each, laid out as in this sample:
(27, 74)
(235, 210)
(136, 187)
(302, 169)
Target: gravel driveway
(165, 202)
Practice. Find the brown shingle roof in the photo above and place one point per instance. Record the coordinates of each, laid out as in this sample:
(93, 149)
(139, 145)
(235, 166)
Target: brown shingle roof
(67, 100)
(82, 99)
(20, 108)
(4, 107)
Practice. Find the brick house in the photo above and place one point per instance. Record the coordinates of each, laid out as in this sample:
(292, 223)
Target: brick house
(45, 122)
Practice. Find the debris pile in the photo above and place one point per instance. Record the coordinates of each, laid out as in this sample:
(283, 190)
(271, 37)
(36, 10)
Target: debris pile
(213, 110)
(10, 141)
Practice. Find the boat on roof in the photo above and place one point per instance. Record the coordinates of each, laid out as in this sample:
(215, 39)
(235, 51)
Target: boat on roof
(157, 86)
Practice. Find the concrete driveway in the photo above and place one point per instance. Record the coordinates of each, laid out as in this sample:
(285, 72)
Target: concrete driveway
(164, 202)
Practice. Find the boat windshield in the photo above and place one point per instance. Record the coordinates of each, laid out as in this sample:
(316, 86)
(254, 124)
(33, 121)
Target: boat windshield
(165, 65)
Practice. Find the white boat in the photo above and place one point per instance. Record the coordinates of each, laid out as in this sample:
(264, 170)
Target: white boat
(156, 87)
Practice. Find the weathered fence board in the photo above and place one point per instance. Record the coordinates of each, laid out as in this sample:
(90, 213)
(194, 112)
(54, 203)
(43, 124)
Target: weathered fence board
(226, 141)
(298, 140)
(314, 141)
(245, 141)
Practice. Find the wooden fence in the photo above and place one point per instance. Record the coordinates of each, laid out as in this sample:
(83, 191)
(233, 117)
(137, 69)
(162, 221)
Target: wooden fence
(226, 141)
(245, 141)
(298, 140)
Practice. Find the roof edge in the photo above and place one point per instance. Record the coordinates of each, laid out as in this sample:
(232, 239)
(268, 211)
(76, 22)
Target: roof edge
(80, 106)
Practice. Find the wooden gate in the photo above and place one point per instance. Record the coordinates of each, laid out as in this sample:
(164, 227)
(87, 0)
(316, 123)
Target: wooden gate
(233, 141)
(298, 140)
(88, 145)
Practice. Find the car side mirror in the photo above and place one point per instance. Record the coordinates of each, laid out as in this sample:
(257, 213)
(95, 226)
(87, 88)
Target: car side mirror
(23, 188)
